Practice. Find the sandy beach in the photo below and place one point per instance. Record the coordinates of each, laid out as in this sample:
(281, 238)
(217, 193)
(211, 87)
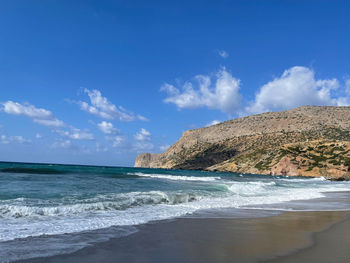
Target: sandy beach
(175, 131)
(288, 237)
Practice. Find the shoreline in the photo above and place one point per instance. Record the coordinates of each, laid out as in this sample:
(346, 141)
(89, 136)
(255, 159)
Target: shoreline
(246, 240)
(62, 231)
(248, 234)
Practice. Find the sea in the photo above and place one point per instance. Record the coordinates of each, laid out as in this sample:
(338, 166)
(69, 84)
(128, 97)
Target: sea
(51, 209)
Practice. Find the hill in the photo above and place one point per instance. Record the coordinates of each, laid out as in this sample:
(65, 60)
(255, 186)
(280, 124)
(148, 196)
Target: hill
(305, 141)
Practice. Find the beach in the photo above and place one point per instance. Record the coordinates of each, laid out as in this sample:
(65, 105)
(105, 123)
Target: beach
(286, 237)
(175, 131)
(116, 214)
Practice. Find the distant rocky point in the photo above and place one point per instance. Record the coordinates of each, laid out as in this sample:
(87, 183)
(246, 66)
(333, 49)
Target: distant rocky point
(145, 159)
(305, 141)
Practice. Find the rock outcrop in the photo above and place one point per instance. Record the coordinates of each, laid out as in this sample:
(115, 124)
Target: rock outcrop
(145, 159)
(307, 141)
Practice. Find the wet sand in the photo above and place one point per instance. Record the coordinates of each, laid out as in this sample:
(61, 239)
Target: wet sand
(288, 237)
(331, 245)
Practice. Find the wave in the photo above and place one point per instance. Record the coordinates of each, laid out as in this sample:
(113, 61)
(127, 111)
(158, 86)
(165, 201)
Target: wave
(298, 179)
(120, 202)
(99, 200)
(250, 188)
(135, 208)
(177, 177)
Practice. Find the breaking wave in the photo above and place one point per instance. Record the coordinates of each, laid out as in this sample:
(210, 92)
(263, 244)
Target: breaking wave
(120, 202)
(177, 177)
(97, 198)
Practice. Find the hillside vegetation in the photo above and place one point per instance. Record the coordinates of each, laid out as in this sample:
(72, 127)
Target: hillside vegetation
(306, 141)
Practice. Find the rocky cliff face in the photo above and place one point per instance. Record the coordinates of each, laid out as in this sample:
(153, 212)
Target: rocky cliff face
(306, 141)
(145, 159)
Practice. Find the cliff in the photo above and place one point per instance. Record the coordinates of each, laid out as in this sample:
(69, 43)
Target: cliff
(306, 141)
(145, 159)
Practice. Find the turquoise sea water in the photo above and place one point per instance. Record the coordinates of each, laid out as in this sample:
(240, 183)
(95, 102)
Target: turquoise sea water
(50, 208)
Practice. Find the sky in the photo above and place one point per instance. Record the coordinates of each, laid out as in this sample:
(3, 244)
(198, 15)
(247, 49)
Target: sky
(97, 82)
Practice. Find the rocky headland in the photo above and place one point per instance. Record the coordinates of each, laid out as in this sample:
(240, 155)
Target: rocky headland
(306, 141)
(145, 159)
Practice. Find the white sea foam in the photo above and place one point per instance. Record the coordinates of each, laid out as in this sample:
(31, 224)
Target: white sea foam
(307, 180)
(140, 207)
(92, 205)
(177, 177)
(250, 188)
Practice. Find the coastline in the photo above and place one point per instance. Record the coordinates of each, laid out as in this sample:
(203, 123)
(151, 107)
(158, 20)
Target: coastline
(270, 238)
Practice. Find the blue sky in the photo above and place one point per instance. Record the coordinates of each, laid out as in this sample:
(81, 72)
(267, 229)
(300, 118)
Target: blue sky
(96, 82)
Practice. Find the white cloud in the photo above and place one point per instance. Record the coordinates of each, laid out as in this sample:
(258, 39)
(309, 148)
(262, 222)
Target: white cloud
(143, 135)
(223, 53)
(76, 134)
(66, 144)
(107, 127)
(143, 141)
(345, 99)
(214, 122)
(164, 147)
(143, 138)
(38, 115)
(4, 139)
(296, 87)
(53, 123)
(101, 148)
(27, 110)
(117, 141)
(142, 146)
(18, 139)
(38, 136)
(347, 87)
(141, 118)
(93, 110)
(223, 96)
(102, 107)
